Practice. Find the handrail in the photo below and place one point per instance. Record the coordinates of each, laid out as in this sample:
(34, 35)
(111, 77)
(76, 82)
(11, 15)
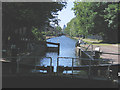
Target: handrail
(89, 62)
(89, 66)
(73, 61)
(87, 54)
(110, 53)
(89, 46)
(19, 58)
(85, 58)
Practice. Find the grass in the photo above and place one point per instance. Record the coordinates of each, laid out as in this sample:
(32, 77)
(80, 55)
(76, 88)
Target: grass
(48, 37)
(88, 40)
(94, 41)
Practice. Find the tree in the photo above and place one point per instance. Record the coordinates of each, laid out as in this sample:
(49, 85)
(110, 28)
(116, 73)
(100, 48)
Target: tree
(72, 28)
(58, 28)
(85, 16)
(97, 18)
(19, 15)
(111, 18)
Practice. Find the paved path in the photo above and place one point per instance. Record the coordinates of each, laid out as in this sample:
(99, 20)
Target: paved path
(110, 49)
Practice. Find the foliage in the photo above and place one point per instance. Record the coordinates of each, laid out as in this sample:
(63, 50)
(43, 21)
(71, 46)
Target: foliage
(38, 35)
(30, 14)
(92, 18)
(19, 18)
(53, 31)
(72, 28)
(58, 28)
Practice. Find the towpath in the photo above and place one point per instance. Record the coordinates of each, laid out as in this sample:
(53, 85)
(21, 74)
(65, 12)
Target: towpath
(109, 48)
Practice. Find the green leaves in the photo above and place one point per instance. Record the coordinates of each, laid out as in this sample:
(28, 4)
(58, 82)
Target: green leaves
(84, 15)
(111, 15)
(72, 27)
(99, 18)
(58, 28)
(16, 15)
(32, 13)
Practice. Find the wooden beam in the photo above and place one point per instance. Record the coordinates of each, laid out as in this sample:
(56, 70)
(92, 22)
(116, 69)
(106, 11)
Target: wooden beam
(41, 68)
(86, 67)
(53, 43)
(110, 53)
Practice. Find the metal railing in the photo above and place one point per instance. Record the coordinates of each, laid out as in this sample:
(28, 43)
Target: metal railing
(90, 45)
(17, 62)
(72, 64)
(91, 58)
(47, 66)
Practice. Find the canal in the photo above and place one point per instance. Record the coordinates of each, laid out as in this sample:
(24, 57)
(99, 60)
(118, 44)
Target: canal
(67, 49)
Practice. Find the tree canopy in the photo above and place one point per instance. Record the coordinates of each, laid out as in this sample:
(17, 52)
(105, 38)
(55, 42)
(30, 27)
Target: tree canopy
(99, 18)
(30, 13)
(23, 22)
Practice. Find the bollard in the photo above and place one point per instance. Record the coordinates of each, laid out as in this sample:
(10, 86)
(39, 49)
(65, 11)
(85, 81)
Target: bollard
(57, 61)
(97, 55)
(89, 74)
(60, 69)
(80, 53)
(50, 69)
(18, 64)
(72, 65)
(58, 48)
(99, 72)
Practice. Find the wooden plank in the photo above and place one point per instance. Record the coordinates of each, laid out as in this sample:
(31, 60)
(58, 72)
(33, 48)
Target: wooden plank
(110, 53)
(86, 67)
(41, 68)
(49, 69)
(53, 43)
(76, 68)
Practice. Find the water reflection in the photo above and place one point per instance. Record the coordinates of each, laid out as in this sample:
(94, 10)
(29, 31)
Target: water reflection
(67, 46)
(67, 49)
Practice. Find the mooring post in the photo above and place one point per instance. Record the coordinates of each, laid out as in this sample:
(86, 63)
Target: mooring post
(57, 61)
(89, 69)
(35, 62)
(109, 72)
(92, 47)
(51, 65)
(50, 61)
(18, 64)
(80, 53)
(72, 65)
(58, 48)
(57, 64)
(50, 70)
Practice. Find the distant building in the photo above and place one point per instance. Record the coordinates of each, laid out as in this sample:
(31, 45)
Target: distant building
(64, 27)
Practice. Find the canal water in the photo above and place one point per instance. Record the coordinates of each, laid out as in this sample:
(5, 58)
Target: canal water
(67, 49)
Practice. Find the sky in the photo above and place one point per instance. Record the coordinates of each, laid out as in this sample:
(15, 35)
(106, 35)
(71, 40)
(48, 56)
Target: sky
(66, 14)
